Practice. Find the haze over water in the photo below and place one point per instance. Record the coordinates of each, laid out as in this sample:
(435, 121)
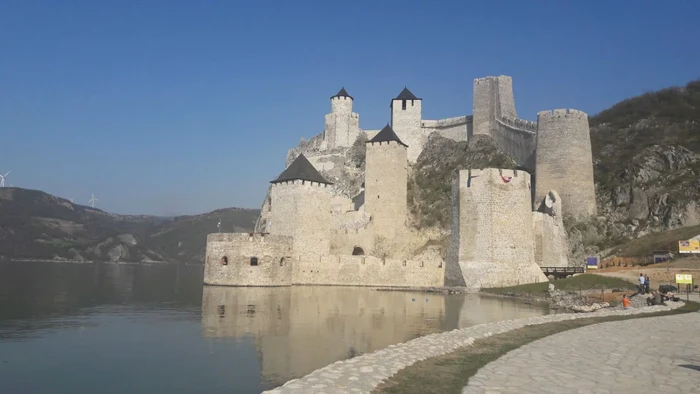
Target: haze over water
(108, 328)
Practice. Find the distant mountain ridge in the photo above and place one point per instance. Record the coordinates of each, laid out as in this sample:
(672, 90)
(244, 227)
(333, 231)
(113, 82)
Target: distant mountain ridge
(38, 225)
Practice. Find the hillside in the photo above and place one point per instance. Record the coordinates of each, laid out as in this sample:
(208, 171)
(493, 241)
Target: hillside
(646, 158)
(37, 225)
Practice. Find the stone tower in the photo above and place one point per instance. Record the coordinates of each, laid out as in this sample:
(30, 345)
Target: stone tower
(493, 99)
(300, 206)
(342, 125)
(492, 241)
(564, 161)
(386, 182)
(406, 121)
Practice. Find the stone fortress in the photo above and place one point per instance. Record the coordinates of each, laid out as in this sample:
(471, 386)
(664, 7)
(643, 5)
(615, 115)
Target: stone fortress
(328, 221)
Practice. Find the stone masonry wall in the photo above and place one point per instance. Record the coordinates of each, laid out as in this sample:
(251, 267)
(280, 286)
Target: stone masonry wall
(386, 187)
(368, 271)
(564, 160)
(452, 128)
(302, 209)
(495, 115)
(407, 125)
(273, 253)
(344, 241)
(496, 245)
(551, 247)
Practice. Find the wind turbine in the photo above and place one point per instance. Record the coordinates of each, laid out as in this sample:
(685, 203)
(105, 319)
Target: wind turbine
(3, 177)
(93, 200)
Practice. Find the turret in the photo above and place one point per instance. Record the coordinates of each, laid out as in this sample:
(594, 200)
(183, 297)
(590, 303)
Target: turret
(300, 206)
(342, 125)
(493, 100)
(564, 161)
(386, 182)
(406, 120)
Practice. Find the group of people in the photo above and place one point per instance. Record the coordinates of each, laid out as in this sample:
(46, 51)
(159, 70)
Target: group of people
(644, 284)
(655, 298)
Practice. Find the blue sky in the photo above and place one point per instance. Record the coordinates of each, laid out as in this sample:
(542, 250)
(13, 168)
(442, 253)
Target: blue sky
(179, 107)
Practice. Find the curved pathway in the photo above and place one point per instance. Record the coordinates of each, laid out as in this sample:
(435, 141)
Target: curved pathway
(363, 373)
(654, 355)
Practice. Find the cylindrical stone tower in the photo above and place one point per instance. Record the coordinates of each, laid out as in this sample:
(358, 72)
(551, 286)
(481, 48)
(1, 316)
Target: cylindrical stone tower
(339, 121)
(564, 161)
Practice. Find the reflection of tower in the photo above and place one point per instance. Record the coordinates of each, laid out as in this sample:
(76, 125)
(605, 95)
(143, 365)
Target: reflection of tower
(336, 322)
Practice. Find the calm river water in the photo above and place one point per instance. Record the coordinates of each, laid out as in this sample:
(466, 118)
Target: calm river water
(107, 328)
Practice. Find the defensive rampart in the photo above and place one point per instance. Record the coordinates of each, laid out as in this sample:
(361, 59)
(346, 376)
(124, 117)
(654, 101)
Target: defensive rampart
(240, 259)
(368, 271)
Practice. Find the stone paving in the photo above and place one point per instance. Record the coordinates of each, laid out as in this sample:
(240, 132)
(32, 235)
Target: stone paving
(657, 355)
(363, 373)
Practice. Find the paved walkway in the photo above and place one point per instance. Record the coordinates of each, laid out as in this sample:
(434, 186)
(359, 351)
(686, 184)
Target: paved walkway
(653, 355)
(363, 373)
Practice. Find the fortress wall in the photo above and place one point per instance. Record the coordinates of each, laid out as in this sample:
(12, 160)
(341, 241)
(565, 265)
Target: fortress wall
(506, 100)
(564, 160)
(496, 246)
(518, 143)
(386, 187)
(452, 128)
(344, 241)
(407, 125)
(343, 270)
(551, 247)
(273, 253)
(302, 209)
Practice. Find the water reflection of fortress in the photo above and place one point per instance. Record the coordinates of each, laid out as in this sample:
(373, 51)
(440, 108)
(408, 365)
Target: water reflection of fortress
(300, 329)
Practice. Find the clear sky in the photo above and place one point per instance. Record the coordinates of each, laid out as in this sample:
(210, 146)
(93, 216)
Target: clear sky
(178, 107)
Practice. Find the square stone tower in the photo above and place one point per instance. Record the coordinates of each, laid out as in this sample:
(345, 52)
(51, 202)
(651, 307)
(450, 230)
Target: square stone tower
(406, 114)
(386, 182)
(492, 232)
(300, 207)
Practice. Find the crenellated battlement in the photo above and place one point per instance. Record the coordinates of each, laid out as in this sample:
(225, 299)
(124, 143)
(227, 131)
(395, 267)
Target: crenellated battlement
(561, 113)
(299, 182)
(248, 238)
(488, 79)
(519, 124)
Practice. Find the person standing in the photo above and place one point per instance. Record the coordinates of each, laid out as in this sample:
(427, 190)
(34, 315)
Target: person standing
(625, 301)
(641, 283)
(647, 283)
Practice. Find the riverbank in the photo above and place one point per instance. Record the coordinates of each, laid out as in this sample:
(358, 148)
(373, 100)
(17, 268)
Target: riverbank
(366, 372)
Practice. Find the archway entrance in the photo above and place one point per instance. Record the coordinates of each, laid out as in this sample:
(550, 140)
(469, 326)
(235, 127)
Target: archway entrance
(357, 251)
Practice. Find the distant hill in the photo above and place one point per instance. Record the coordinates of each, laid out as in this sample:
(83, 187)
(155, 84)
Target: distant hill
(37, 225)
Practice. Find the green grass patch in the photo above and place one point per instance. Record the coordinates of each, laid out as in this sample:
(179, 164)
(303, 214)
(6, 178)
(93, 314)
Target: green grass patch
(451, 372)
(667, 240)
(579, 282)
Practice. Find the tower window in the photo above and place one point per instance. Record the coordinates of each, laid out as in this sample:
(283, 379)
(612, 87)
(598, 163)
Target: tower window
(253, 261)
(403, 105)
(224, 260)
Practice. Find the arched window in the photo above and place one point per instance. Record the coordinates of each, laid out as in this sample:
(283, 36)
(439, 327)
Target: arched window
(253, 261)
(282, 261)
(224, 260)
(357, 251)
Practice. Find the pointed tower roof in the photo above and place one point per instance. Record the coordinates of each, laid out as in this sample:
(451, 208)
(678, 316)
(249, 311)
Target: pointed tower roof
(406, 95)
(301, 169)
(385, 135)
(343, 93)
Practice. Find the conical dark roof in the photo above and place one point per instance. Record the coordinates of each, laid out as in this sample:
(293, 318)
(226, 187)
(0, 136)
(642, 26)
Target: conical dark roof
(406, 95)
(301, 169)
(385, 135)
(343, 93)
